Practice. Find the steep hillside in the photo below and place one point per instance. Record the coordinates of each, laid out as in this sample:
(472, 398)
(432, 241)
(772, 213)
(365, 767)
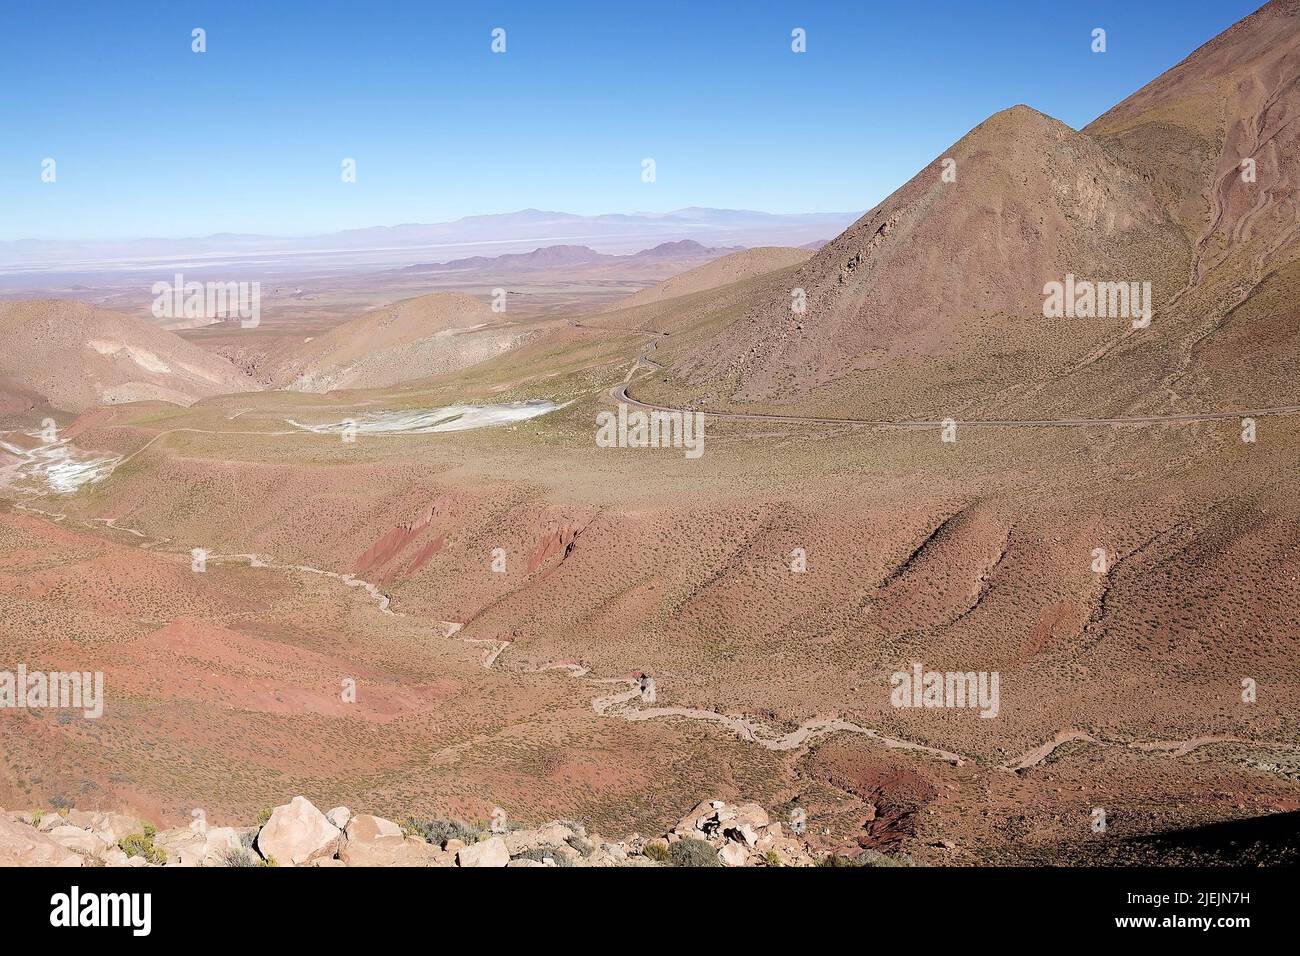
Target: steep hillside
(1031, 201)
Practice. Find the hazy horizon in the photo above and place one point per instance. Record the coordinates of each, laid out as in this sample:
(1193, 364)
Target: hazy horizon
(151, 139)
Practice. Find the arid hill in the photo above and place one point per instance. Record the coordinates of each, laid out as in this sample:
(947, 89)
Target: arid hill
(739, 265)
(415, 338)
(1219, 137)
(939, 290)
(1031, 200)
(76, 356)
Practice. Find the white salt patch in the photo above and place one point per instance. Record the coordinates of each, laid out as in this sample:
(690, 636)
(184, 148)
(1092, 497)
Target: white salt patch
(452, 418)
(61, 467)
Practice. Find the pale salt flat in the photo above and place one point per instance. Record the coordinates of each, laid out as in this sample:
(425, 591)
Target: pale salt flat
(451, 418)
(61, 467)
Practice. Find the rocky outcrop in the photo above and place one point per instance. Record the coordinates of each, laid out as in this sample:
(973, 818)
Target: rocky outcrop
(743, 835)
(23, 845)
(298, 834)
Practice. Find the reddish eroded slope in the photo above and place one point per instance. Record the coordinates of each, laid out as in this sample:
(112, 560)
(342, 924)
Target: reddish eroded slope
(1219, 136)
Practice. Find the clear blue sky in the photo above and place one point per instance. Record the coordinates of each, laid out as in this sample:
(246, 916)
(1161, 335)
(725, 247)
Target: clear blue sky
(154, 140)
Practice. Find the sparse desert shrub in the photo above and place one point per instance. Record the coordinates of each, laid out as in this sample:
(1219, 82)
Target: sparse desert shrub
(772, 858)
(541, 854)
(692, 852)
(263, 818)
(835, 860)
(875, 858)
(232, 856)
(37, 816)
(439, 832)
(269, 861)
(656, 850)
(141, 844)
(247, 840)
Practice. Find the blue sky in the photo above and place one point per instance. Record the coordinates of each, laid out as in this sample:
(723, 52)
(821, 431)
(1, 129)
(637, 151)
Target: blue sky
(151, 139)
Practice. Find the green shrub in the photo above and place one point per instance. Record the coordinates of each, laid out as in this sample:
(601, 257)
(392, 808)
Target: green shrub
(439, 832)
(692, 852)
(656, 850)
(263, 818)
(141, 844)
(772, 858)
(835, 860)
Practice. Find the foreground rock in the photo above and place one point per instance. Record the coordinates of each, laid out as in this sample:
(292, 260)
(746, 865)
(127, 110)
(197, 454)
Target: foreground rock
(714, 833)
(491, 852)
(374, 841)
(23, 845)
(298, 833)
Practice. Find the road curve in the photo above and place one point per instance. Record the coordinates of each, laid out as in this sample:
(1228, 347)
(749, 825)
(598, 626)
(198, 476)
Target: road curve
(619, 394)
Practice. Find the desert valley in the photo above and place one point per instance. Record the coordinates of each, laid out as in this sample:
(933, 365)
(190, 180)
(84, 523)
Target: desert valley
(371, 550)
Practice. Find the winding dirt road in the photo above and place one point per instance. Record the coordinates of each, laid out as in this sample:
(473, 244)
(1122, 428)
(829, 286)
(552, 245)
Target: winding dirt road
(619, 394)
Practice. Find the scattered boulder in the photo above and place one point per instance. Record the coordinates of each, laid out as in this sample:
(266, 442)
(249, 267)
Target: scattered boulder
(21, 845)
(75, 838)
(551, 835)
(298, 833)
(733, 854)
(489, 852)
(371, 841)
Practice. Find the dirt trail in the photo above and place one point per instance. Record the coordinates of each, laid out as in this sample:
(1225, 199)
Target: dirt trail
(351, 580)
(616, 705)
(619, 394)
(750, 730)
(1166, 748)
(620, 704)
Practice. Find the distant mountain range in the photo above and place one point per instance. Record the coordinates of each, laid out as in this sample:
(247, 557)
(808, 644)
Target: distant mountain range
(567, 255)
(233, 255)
